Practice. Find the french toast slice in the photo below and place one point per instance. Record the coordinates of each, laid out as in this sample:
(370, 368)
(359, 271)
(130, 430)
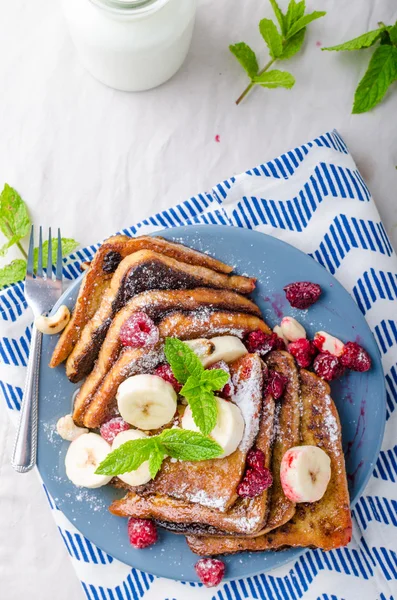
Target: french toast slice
(246, 516)
(213, 483)
(184, 326)
(325, 524)
(100, 272)
(286, 435)
(141, 271)
(156, 304)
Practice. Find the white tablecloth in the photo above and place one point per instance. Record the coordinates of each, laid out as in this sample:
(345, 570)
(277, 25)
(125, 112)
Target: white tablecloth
(93, 160)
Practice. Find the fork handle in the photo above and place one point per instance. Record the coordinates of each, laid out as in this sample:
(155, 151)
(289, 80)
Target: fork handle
(25, 448)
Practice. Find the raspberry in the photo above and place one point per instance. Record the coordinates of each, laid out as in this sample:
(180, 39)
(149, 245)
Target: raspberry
(276, 384)
(111, 428)
(254, 483)
(303, 351)
(141, 532)
(355, 357)
(302, 294)
(256, 460)
(328, 367)
(228, 389)
(165, 372)
(210, 571)
(139, 331)
(262, 343)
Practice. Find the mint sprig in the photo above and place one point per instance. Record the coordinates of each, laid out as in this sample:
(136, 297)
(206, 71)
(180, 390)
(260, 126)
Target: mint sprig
(15, 225)
(382, 68)
(178, 443)
(199, 385)
(283, 43)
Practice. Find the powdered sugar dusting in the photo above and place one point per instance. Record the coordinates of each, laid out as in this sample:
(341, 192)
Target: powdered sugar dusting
(248, 397)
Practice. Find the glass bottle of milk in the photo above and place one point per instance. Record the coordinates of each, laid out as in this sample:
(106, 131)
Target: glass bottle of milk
(131, 45)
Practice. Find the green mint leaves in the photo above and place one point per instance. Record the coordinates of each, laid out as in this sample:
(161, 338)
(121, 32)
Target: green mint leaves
(382, 69)
(283, 43)
(15, 225)
(199, 385)
(177, 443)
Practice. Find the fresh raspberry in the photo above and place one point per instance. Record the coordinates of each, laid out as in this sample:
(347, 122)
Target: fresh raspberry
(302, 294)
(165, 372)
(111, 428)
(355, 357)
(303, 351)
(256, 460)
(139, 331)
(228, 389)
(254, 483)
(210, 571)
(276, 384)
(141, 532)
(328, 367)
(262, 343)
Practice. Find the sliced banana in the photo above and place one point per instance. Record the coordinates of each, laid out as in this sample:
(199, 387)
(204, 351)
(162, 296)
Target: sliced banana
(141, 475)
(55, 323)
(229, 428)
(226, 347)
(278, 331)
(305, 473)
(68, 430)
(146, 401)
(202, 347)
(292, 329)
(329, 343)
(83, 458)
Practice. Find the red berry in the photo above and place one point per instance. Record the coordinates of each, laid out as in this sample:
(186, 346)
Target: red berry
(262, 343)
(210, 571)
(303, 351)
(139, 331)
(318, 341)
(228, 389)
(328, 367)
(142, 532)
(165, 372)
(256, 460)
(254, 483)
(111, 428)
(276, 384)
(355, 357)
(302, 294)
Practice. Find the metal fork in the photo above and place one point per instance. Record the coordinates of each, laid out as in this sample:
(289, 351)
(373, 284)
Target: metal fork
(41, 293)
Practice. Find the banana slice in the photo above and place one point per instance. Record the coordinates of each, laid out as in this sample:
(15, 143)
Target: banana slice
(146, 401)
(328, 343)
(305, 473)
(292, 329)
(226, 347)
(202, 347)
(141, 475)
(229, 428)
(83, 458)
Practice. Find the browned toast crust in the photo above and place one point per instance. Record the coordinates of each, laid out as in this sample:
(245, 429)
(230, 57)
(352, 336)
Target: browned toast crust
(97, 281)
(324, 524)
(156, 304)
(141, 271)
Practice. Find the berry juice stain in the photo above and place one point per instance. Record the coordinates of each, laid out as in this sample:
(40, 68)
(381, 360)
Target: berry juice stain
(352, 476)
(277, 302)
(359, 433)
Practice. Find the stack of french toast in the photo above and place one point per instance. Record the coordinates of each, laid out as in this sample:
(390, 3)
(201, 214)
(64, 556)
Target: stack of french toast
(191, 296)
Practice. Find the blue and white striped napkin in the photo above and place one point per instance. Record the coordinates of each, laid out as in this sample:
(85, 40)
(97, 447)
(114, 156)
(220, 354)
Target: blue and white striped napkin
(314, 198)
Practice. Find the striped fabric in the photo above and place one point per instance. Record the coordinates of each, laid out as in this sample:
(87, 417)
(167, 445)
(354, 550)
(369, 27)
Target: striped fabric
(314, 198)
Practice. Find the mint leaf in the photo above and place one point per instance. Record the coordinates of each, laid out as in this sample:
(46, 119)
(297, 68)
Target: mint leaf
(14, 218)
(275, 79)
(279, 15)
(155, 460)
(128, 457)
(204, 407)
(272, 37)
(189, 445)
(382, 71)
(182, 360)
(393, 34)
(246, 57)
(293, 45)
(304, 21)
(215, 379)
(13, 272)
(68, 245)
(362, 41)
(295, 11)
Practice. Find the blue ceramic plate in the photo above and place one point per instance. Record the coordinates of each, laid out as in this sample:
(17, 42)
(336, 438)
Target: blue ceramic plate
(360, 399)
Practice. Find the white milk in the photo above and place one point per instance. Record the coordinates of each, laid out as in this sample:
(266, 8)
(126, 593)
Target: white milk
(131, 45)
